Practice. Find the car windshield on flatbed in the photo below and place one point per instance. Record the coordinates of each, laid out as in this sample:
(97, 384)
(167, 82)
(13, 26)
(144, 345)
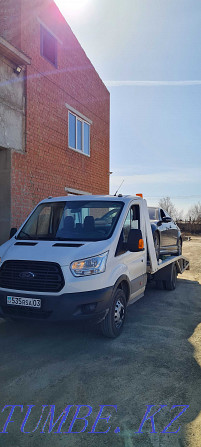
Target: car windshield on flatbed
(153, 213)
(78, 220)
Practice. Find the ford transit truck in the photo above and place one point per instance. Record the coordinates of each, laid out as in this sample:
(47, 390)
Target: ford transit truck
(83, 257)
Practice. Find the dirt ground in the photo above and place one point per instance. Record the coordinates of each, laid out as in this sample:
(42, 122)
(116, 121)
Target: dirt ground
(156, 361)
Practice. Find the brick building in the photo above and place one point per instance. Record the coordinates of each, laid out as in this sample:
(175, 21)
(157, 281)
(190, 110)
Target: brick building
(54, 112)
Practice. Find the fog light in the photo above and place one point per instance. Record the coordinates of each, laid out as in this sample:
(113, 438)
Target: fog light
(89, 308)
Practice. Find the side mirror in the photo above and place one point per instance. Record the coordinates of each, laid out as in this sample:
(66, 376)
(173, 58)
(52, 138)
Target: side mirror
(159, 223)
(12, 232)
(135, 242)
(166, 219)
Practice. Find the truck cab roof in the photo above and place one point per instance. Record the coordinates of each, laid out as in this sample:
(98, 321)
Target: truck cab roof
(123, 198)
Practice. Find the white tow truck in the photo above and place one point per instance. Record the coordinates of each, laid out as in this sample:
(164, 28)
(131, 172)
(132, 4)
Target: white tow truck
(83, 257)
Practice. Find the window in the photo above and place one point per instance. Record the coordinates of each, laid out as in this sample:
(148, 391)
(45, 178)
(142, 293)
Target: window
(78, 134)
(48, 47)
(132, 222)
(153, 213)
(162, 213)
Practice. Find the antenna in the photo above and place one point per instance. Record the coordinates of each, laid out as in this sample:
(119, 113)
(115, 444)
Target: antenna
(119, 188)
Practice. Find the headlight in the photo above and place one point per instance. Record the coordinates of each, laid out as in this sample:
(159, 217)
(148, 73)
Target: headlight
(89, 266)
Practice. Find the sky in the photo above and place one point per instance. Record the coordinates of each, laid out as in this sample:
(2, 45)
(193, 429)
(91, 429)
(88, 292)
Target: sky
(148, 54)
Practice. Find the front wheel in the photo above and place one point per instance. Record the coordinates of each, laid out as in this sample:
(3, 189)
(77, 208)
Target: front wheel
(179, 247)
(113, 323)
(157, 245)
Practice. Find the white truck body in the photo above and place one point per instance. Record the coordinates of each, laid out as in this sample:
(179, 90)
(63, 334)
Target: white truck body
(77, 295)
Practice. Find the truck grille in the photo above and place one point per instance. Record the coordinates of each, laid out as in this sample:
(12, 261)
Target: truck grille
(31, 275)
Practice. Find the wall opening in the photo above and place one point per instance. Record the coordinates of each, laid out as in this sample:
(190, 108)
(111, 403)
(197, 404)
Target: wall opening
(5, 194)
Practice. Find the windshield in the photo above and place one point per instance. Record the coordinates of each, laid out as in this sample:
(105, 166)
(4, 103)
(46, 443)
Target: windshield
(153, 213)
(81, 220)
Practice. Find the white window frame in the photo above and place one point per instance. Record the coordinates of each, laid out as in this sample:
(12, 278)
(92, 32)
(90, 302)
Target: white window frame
(79, 117)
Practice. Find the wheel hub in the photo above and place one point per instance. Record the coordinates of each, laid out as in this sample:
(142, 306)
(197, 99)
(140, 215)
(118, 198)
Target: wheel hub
(119, 314)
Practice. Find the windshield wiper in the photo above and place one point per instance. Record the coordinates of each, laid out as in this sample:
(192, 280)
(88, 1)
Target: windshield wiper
(45, 238)
(59, 238)
(26, 234)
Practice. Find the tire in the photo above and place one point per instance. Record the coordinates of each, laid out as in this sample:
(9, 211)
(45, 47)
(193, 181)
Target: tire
(179, 247)
(157, 245)
(171, 282)
(112, 325)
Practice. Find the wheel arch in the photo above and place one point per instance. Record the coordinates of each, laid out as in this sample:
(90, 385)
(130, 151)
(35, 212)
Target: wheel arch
(156, 231)
(123, 283)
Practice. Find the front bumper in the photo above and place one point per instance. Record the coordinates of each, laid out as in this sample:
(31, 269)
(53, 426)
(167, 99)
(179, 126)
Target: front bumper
(92, 305)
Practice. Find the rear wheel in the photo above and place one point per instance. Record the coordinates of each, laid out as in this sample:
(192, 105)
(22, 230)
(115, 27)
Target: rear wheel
(157, 245)
(113, 323)
(171, 282)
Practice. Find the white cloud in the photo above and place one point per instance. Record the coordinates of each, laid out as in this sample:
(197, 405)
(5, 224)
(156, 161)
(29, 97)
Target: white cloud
(150, 83)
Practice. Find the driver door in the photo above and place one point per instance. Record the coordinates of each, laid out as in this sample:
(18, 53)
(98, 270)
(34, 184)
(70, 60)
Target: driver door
(135, 261)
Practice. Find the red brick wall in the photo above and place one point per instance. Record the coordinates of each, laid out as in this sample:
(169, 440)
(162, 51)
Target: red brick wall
(48, 164)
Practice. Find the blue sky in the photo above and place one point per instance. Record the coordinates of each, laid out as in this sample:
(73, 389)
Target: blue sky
(155, 143)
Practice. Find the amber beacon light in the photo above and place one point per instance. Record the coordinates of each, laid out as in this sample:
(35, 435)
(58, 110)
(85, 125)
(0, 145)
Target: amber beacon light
(140, 195)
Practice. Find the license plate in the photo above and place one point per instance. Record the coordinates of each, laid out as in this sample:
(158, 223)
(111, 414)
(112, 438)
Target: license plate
(25, 302)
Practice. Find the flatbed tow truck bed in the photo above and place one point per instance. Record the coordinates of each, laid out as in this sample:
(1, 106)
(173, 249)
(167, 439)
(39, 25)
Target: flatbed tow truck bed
(165, 260)
(165, 270)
